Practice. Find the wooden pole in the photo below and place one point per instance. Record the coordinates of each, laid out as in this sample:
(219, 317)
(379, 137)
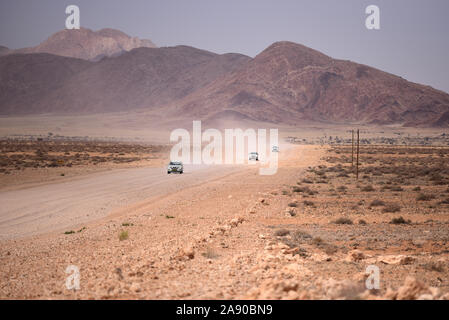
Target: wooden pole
(352, 151)
(357, 164)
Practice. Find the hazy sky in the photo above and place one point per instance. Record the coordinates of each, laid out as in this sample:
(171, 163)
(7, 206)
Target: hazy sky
(412, 42)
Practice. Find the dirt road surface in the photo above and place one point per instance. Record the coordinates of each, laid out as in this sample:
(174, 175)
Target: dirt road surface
(65, 205)
(209, 235)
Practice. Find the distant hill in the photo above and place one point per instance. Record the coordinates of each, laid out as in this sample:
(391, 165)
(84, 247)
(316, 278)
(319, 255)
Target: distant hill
(3, 50)
(141, 78)
(289, 82)
(87, 44)
(26, 79)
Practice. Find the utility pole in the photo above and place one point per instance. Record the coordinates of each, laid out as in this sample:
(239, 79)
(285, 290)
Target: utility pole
(357, 164)
(352, 151)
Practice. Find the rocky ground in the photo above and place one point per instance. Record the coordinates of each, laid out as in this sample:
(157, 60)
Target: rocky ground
(308, 232)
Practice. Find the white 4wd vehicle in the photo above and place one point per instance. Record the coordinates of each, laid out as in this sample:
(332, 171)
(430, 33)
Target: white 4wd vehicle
(253, 156)
(275, 149)
(175, 166)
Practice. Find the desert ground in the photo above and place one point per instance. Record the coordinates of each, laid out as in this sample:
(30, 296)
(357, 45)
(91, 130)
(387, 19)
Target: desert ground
(226, 232)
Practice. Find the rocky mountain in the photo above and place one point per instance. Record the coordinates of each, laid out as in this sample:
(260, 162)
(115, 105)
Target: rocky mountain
(3, 50)
(141, 78)
(288, 83)
(28, 78)
(87, 44)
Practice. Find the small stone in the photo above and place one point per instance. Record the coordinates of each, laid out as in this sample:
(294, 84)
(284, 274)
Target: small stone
(135, 287)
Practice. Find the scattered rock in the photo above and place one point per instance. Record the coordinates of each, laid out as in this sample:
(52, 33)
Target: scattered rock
(355, 256)
(135, 287)
(188, 252)
(290, 212)
(399, 259)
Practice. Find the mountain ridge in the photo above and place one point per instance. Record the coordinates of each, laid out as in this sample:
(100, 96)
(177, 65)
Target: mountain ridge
(286, 83)
(87, 44)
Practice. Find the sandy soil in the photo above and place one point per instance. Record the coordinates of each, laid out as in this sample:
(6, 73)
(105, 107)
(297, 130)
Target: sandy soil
(225, 237)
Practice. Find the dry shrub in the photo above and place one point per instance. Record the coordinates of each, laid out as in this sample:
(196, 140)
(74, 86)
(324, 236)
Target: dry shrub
(392, 207)
(343, 221)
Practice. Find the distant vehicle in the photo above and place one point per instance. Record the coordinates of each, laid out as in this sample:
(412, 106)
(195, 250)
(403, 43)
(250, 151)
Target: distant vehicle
(253, 156)
(175, 166)
(275, 149)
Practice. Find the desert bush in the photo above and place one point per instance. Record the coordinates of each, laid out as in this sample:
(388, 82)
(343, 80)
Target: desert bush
(399, 220)
(392, 207)
(281, 232)
(308, 203)
(368, 188)
(343, 221)
(425, 197)
(293, 204)
(377, 203)
(435, 266)
(123, 235)
(362, 222)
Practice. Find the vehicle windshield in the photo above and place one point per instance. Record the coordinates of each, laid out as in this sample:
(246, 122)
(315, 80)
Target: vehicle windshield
(174, 163)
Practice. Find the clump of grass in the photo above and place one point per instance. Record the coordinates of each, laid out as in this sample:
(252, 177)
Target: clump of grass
(301, 235)
(293, 204)
(69, 232)
(123, 235)
(362, 222)
(435, 266)
(281, 232)
(368, 188)
(425, 197)
(126, 224)
(400, 220)
(343, 221)
(309, 203)
(377, 203)
(82, 229)
(169, 217)
(392, 207)
(301, 189)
